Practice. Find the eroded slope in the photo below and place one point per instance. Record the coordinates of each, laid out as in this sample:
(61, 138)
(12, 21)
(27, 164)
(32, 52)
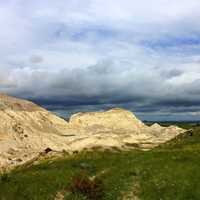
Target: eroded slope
(27, 129)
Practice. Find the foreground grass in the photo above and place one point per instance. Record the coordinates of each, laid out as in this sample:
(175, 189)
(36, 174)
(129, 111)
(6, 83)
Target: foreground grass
(168, 172)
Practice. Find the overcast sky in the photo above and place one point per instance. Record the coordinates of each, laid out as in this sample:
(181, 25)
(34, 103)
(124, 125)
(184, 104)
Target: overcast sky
(142, 55)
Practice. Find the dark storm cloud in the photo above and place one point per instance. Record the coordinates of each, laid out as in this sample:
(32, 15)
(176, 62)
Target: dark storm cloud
(106, 83)
(133, 89)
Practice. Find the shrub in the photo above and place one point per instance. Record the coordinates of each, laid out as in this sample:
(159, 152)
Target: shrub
(4, 177)
(92, 188)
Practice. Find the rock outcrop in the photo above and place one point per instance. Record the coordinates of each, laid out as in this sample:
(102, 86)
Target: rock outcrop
(26, 130)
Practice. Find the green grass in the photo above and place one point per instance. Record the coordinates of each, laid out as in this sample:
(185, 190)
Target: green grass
(169, 172)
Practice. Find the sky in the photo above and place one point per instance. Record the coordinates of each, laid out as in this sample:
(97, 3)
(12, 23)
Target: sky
(74, 55)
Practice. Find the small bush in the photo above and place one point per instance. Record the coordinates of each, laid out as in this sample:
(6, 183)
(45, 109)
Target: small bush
(92, 188)
(4, 177)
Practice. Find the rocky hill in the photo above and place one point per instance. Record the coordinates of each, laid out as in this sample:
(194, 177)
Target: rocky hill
(26, 130)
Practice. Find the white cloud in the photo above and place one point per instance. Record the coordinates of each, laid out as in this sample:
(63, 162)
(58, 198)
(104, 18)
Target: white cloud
(111, 50)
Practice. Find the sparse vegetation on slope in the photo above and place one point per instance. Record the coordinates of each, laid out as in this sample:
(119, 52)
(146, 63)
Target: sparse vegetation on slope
(167, 172)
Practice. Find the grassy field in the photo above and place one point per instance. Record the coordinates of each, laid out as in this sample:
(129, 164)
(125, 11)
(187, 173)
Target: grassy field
(169, 172)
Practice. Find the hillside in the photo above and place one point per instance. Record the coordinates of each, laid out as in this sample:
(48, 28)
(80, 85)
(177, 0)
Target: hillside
(167, 172)
(27, 130)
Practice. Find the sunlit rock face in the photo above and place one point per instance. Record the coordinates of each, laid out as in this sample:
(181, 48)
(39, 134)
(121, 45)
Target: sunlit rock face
(115, 120)
(27, 130)
(119, 128)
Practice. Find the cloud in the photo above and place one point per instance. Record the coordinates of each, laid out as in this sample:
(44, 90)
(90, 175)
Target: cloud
(142, 55)
(35, 59)
(172, 73)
